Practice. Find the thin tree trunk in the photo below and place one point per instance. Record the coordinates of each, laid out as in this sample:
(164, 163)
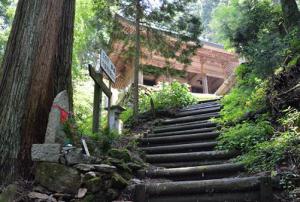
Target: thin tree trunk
(291, 13)
(137, 61)
(36, 66)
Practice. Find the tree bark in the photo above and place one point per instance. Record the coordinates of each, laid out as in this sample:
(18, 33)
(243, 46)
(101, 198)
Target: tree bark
(35, 68)
(137, 61)
(291, 13)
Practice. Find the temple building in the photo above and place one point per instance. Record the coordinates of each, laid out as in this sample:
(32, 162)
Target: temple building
(210, 72)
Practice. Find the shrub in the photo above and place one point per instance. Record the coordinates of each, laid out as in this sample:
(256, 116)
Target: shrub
(243, 137)
(171, 95)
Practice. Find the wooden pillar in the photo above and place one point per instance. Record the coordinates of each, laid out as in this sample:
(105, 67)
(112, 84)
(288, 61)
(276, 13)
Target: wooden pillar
(205, 83)
(97, 106)
(108, 108)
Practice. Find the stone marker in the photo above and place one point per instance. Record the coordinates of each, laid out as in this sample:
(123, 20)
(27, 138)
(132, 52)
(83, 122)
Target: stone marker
(54, 133)
(46, 152)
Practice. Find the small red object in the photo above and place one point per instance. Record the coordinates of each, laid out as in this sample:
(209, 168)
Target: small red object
(64, 115)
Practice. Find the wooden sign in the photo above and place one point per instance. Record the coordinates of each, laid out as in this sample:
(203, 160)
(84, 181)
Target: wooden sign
(107, 66)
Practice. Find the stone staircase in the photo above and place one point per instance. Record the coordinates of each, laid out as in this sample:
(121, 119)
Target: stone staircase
(185, 167)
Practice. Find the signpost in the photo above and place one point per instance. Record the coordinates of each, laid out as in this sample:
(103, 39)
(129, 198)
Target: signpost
(105, 66)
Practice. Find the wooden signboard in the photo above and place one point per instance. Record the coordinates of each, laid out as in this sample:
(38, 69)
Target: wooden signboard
(104, 66)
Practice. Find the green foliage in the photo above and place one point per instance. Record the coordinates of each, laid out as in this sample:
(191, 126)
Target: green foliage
(170, 95)
(243, 137)
(266, 155)
(249, 95)
(262, 151)
(127, 115)
(7, 10)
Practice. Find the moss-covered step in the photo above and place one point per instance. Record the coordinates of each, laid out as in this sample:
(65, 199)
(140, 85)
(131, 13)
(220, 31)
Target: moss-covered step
(194, 156)
(198, 111)
(195, 173)
(179, 138)
(184, 126)
(189, 147)
(191, 118)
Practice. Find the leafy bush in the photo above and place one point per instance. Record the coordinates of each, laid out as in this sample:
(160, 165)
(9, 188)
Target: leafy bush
(249, 95)
(265, 153)
(126, 116)
(171, 95)
(243, 137)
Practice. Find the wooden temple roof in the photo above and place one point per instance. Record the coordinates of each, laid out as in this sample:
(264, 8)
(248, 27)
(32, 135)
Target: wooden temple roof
(211, 60)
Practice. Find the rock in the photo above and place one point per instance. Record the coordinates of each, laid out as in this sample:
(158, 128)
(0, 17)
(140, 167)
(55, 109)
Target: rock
(46, 152)
(84, 167)
(105, 168)
(121, 154)
(9, 193)
(94, 185)
(37, 195)
(81, 193)
(118, 181)
(53, 134)
(57, 177)
(75, 156)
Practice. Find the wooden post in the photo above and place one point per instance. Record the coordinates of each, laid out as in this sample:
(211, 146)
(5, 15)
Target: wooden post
(205, 84)
(108, 107)
(97, 105)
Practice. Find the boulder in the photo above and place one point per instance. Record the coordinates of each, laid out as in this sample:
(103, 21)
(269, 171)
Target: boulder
(46, 152)
(57, 177)
(54, 130)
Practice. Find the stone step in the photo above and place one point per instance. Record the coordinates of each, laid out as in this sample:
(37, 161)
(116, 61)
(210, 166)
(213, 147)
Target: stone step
(197, 112)
(199, 106)
(190, 163)
(194, 173)
(249, 196)
(185, 126)
(192, 118)
(195, 156)
(209, 101)
(261, 185)
(190, 147)
(179, 138)
(183, 132)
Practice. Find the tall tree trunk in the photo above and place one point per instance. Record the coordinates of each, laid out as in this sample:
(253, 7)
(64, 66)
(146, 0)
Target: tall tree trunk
(291, 13)
(137, 61)
(36, 66)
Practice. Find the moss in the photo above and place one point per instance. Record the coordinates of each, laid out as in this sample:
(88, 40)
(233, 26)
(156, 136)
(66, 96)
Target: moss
(121, 154)
(118, 181)
(9, 193)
